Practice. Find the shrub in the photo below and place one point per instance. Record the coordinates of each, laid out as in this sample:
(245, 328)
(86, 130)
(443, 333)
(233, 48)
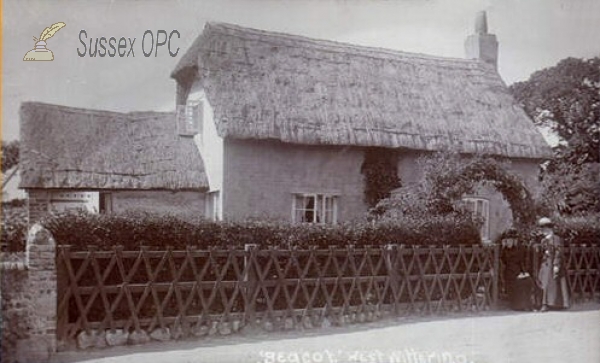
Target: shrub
(129, 229)
(13, 232)
(133, 230)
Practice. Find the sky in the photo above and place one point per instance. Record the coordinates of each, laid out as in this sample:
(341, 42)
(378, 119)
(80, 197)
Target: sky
(533, 34)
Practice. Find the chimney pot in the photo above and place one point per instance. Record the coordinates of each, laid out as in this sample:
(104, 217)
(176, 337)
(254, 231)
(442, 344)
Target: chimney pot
(481, 23)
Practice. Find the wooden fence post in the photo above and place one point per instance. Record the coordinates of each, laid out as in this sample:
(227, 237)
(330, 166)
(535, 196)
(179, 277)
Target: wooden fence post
(537, 294)
(495, 286)
(62, 284)
(250, 282)
(390, 250)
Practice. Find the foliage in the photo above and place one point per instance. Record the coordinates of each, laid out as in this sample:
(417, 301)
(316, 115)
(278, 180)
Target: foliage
(14, 203)
(381, 174)
(13, 231)
(449, 176)
(571, 190)
(16, 323)
(583, 229)
(10, 155)
(132, 230)
(451, 184)
(566, 98)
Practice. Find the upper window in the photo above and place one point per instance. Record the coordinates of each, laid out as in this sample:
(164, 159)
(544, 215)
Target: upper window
(481, 208)
(189, 118)
(314, 208)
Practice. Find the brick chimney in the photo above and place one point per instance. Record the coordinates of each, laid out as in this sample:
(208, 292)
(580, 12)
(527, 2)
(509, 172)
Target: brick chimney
(481, 45)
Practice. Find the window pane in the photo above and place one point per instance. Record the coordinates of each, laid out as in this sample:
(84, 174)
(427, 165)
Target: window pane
(329, 216)
(309, 213)
(299, 216)
(328, 212)
(299, 209)
(470, 206)
(305, 209)
(480, 208)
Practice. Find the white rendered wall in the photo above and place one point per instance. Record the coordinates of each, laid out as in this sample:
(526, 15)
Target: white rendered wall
(210, 144)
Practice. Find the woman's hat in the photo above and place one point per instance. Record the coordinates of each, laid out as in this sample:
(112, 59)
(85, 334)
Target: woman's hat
(511, 233)
(545, 222)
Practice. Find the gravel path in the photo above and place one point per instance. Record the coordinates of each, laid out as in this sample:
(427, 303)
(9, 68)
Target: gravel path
(567, 336)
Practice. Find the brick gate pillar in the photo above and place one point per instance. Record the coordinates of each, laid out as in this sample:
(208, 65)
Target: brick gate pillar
(41, 261)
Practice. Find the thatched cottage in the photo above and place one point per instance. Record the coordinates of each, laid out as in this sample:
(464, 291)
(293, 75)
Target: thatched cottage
(75, 158)
(284, 120)
(283, 123)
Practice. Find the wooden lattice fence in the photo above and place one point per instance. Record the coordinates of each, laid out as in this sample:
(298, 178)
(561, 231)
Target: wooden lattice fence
(187, 290)
(582, 265)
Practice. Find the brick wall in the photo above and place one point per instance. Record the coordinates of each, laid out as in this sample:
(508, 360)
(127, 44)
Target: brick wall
(16, 309)
(38, 202)
(29, 301)
(260, 178)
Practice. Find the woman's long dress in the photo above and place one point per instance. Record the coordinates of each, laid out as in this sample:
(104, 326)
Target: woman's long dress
(555, 292)
(519, 291)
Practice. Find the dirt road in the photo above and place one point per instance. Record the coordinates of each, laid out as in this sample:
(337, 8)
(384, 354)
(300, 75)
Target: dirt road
(569, 336)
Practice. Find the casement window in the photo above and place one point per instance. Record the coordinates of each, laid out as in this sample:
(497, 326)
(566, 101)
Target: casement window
(314, 208)
(480, 207)
(212, 206)
(189, 118)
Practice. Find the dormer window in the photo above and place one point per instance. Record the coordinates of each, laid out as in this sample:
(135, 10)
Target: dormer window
(189, 118)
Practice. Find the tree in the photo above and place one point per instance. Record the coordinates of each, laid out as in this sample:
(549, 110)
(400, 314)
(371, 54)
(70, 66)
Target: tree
(571, 189)
(566, 98)
(10, 155)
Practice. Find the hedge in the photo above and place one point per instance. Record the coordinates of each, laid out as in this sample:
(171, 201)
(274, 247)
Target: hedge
(584, 229)
(133, 230)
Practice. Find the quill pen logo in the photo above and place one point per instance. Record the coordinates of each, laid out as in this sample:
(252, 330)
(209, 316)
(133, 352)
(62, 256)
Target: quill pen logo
(40, 52)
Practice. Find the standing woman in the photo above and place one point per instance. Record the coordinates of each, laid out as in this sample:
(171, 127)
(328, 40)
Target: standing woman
(551, 277)
(517, 281)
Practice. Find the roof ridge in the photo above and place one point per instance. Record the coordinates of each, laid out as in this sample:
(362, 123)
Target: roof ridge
(91, 111)
(332, 44)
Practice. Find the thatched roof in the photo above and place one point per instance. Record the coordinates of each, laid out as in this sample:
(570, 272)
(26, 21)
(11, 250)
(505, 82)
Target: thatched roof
(265, 85)
(64, 147)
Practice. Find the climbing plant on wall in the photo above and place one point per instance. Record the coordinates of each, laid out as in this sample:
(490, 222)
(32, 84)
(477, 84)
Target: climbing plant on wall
(450, 176)
(447, 177)
(380, 170)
